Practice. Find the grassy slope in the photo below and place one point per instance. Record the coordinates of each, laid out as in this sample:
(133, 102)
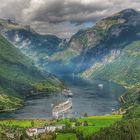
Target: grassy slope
(23, 123)
(68, 136)
(18, 77)
(95, 123)
(132, 97)
(125, 69)
(13, 133)
(99, 127)
(127, 129)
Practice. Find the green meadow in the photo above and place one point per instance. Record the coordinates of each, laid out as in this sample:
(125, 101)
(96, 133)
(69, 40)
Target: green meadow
(24, 123)
(93, 124)
(68, 136)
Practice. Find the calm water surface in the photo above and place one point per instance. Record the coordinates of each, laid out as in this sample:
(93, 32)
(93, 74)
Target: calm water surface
(88, 98)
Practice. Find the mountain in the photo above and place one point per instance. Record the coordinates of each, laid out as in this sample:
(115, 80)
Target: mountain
(122, 64)
(124, 69)
(109, 50)
(19, 78)
(99, 45)
(85, 52)
(37, 47)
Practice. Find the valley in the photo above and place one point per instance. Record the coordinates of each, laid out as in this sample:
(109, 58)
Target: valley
(88, 98)
(98, 64)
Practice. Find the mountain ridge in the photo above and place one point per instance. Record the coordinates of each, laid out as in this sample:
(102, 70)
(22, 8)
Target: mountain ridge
(94, 44)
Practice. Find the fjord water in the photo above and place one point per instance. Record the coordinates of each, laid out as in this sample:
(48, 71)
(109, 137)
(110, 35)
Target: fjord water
(88, 97)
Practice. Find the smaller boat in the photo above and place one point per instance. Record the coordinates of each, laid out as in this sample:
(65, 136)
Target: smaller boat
(100, 86)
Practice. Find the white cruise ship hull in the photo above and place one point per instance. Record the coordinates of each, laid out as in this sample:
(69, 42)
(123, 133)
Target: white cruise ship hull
(61, 108)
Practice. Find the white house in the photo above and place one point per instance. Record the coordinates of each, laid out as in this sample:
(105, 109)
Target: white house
(36, 131)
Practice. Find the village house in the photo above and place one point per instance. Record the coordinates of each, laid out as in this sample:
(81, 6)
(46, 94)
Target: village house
(38, 130)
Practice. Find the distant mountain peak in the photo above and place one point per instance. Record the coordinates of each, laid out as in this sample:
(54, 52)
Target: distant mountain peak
(129, 11)
(9, 20)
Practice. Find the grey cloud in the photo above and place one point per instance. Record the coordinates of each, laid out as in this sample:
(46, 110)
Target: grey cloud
(55, 11)
(67, 10)
(63, 30)
(49, 16)
(13, 8)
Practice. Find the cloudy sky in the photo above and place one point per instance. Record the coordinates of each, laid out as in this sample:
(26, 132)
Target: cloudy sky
(62, 17)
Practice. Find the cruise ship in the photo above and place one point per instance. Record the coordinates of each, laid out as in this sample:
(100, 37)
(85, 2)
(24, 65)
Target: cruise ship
(62, 108)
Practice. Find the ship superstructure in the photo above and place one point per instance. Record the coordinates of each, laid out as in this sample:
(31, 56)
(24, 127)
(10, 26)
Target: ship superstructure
(62, 108)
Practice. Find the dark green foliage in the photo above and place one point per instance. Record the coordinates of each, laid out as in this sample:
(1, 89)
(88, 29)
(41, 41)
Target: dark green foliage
(127, 129)
(73, 120)
(67, 130)
(133, 113)
(80, 135)
(124, 130)
(32, 123)
(85, 115)
(132, 97)
(85, 123)
(13, 133)
(19, 78)
(77, 123)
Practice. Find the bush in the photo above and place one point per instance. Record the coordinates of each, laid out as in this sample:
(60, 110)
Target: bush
(85, 123)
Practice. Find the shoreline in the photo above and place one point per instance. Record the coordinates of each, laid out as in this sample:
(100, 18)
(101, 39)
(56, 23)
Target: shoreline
(28, 97)
(92, 116)
(41, 95)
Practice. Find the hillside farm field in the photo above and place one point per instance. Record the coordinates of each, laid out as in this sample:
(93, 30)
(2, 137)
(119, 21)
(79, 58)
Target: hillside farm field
(94, 123)
(24, 123)
(86, 126)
